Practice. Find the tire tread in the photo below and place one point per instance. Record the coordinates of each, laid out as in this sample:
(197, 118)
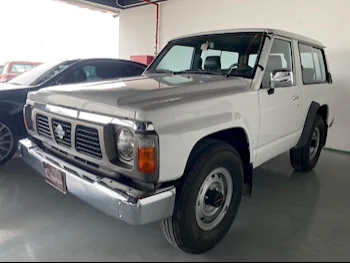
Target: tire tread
(299, 157)
(168, 226)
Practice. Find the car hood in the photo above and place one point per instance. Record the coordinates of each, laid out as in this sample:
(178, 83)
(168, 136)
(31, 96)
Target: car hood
(8, 86)
(123, 97)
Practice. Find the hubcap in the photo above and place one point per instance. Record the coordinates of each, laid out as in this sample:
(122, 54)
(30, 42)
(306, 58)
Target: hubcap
(214, 199)
(6, 141)
(315, 143)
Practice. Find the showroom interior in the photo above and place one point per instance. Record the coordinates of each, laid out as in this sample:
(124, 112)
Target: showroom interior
(290, 216)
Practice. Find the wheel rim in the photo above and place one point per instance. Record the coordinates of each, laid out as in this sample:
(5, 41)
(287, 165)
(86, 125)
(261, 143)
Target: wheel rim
(6, 141)
(315, 143)
(219, 181)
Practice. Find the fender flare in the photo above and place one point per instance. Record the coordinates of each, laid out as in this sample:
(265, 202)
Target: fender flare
(205, 142)
(305, 135)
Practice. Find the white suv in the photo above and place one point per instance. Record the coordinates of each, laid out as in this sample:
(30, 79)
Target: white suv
(179, 144)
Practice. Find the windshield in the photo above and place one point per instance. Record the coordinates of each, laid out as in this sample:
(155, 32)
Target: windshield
(233, 54)
(40, 73)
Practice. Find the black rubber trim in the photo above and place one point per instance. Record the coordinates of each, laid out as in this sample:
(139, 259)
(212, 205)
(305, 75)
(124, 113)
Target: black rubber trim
(304, 138)
(248, 180)
(325, 134)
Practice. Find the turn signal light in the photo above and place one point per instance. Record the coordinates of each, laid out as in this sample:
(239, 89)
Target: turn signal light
(27, 114)
(25, 123)
(146, 156)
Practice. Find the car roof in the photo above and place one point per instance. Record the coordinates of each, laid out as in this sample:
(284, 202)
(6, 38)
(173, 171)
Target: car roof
(278, 32)
(111, 59)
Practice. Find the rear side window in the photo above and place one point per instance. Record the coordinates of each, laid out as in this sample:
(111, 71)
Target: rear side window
(312, 64)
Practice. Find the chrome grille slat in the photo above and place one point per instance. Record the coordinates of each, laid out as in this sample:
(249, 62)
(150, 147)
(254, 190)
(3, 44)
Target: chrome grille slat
(42, 126)
(63, 142)
(41, 122)
(41, 117)
(96, 144)
(89, 138)
(84, 150)
(89, 131)
(87, 141)
(86, 145)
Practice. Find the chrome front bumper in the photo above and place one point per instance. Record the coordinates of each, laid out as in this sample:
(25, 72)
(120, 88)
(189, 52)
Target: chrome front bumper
(105, 194)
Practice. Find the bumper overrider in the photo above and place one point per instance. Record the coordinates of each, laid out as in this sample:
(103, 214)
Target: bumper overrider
(105, 194)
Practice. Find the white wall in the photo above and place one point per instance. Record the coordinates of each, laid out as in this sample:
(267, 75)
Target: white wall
(324, 20)
(137, 28)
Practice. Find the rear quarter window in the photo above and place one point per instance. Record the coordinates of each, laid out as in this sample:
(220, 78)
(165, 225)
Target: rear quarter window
(313, 64)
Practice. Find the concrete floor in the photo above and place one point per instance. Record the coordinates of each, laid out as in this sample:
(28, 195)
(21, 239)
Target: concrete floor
(291, 217)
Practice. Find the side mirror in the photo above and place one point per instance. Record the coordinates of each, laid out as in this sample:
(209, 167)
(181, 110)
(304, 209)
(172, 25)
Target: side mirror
(280, 78)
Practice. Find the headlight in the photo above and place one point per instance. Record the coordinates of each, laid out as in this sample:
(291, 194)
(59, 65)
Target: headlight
(125, 144)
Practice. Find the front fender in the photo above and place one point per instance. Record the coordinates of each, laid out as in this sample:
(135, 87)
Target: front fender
(183, 122)
(177, 141)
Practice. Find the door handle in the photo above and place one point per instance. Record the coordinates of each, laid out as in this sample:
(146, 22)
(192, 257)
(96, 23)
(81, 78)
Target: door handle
(295, 97)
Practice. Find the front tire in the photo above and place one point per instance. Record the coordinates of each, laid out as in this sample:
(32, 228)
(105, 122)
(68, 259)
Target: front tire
(305, 158)
(208, 199)
(8, 142)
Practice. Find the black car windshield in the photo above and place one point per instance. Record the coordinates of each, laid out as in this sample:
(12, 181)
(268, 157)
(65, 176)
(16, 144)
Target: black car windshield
(229, 54)
(40, 73)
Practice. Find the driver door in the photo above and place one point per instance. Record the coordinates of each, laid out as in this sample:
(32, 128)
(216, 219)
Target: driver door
(280, 111)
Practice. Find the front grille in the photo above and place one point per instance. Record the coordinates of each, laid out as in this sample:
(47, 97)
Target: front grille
(42, 126)
(87, 141)
(62, 132)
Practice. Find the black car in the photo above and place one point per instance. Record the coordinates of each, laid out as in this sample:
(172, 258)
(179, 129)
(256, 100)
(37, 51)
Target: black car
(13, 94)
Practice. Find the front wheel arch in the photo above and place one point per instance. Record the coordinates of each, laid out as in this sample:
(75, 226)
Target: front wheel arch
(237, 137)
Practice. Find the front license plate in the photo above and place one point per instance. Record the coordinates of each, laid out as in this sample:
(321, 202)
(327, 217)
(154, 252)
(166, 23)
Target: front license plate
(55, 178)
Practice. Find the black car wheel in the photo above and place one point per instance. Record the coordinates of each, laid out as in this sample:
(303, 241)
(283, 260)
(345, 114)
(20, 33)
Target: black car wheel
(305, 158)
(8, 142)
(207, 200)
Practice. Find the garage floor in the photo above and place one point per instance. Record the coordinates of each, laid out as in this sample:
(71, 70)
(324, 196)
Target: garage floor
(291, 217)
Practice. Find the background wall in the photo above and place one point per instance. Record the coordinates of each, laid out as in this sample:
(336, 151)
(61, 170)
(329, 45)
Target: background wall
(324, 20)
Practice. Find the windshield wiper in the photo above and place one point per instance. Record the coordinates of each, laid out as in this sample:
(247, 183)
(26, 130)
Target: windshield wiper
(14, 83)
(161, 71)
(199, 72)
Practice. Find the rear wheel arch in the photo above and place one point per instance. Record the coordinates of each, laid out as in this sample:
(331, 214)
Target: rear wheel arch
(314, 109)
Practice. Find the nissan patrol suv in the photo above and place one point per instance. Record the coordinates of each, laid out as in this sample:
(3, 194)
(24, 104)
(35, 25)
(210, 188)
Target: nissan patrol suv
(179, 144)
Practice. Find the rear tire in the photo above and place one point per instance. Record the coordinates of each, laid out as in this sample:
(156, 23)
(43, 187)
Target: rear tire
(305, 158)
(8, 142)
(218, 168)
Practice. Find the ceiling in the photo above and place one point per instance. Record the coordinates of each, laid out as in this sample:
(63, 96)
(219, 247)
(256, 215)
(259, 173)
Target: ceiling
(109, 6)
